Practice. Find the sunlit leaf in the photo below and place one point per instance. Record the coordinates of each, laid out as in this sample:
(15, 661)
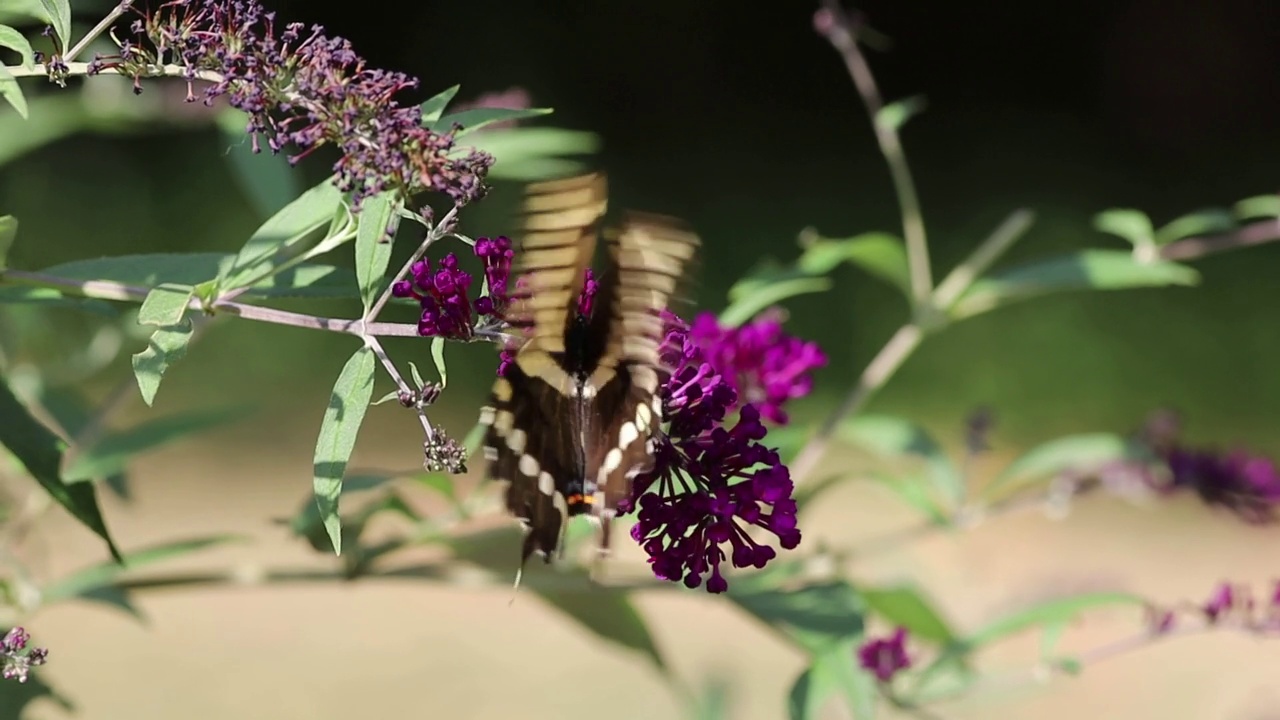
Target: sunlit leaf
(72, 412)
(904, 606)
(1051, 612)
(1126, 223)
(80, 582)
(767, 286)
(437, 357)
(1082, 270)
(880, 254)
(378, 221)
(894, 115)
(530, 153)
(833, 673)
(338, 431)
(475, 119)
(1083, 453)
(1260, 206)
(40, 452)
(113, 452)
(165, 305)
(433, 108)
(896, 437)
(152, 269)
(815, 615)
(307, 522)
(1202, 222)
(12, 92)
(266, 178)
(14, 40)
(313, 210)
(58, 14)
(167, 346)
(51, 297)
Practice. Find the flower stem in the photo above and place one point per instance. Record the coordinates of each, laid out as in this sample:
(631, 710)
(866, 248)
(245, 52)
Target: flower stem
(1192, 248)
(97, 30)
(437, 231)
(839, 30)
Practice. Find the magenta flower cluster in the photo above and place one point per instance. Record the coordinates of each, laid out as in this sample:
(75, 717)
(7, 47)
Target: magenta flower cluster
(443, 293)
(16, 659)
(302, 87)
(1246, 484)
(1228, 604)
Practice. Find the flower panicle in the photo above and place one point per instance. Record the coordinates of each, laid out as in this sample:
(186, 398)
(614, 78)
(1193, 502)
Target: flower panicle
(303, 88)
(16, 658)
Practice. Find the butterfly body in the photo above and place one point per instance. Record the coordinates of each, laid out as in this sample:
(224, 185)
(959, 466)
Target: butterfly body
(571, 422)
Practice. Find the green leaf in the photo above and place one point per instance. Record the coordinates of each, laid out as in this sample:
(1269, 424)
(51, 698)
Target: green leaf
(914, 491)
(610, 615)
(338, 431)
(95, 577)
(437, 356)
(72, 412)
(433, 108)
(14, 40)
(40, 452)
(894, 437)
(529, 153)
(311, 211)
(767, 286)
(1126, 223)
(417, 376)
(113, 452)
(10, 91)
(1049, 613)
(378, 223)
(167, 346)
(477, 118)
(1082, 270)
(1084, 452)
(165, 305)
(50, 297)
(894, 115)
(833, 672)
(1203, 222)
(441, 482)
(8, 231)
(152, 269)
(307, 522)
(1260, 206)
(904, 605)
(880, 254)
(266, 178)
(58, 14)
(15, 697)
(815, 615)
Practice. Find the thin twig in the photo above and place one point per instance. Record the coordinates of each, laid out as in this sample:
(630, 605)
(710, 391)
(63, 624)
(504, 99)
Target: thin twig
(839, 30)
(1258, 233)
(437, 231)
(97, 30)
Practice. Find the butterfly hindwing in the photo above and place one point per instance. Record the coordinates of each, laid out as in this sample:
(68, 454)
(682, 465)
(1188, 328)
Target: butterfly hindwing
(570, 424)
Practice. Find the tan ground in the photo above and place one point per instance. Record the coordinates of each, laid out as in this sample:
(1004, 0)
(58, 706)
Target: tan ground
(412, 650)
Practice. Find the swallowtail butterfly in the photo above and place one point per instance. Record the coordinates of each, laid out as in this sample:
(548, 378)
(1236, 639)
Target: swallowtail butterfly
(572, 420)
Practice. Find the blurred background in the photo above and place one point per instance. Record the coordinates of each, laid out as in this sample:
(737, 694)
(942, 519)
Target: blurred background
(743, 121)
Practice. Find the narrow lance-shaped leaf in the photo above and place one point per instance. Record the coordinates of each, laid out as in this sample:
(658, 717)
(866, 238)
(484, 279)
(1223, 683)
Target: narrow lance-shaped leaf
(765, 287)
(1083, 452)
(8, 231)
(1129, 224)
(10, 91)
(880, 254)
(113, 452)
(895, 437)
(434, 107)
(165, 305)
(1083, 270)
(906, 607)
(1259, 206)
(1049, 613)
(477, 118)
(378, 223)
(437, 357)
(338, 431)
(894, 115)
(167, 346)
(40, 452)
(312, 210)
(58, 13)
(14, 40)
(1202, 222)
(78, 583)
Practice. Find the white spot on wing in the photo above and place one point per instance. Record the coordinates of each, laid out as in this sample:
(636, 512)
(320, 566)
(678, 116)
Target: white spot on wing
(528, 465)
(516, 440)
(546, 485)
(627, 434)
(643, 416)
(487, 415)
(491, 454)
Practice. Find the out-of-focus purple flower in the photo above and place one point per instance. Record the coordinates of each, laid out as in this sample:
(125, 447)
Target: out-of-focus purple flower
(1248, 485)
(710, 483)
(303, 87)
(885, 657)
(1221, 602)
(765, 366)
(16, 660)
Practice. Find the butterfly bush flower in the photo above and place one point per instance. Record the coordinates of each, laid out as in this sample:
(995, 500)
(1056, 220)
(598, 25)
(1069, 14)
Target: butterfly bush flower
(1248, 485)
(711, 482)
(443, 293)
(302, 87)
(766, 367)
(885, 657)
(16, 660)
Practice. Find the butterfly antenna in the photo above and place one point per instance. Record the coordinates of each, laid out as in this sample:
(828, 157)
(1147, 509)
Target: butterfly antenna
(515, 587)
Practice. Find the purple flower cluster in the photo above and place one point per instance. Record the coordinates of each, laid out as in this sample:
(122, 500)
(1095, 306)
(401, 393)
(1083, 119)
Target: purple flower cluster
(1229, 603)
(302, 87)
(1248, 485)
(766, 367)
(16, 660)
(442, 293)
(710, 483)
(885, 657)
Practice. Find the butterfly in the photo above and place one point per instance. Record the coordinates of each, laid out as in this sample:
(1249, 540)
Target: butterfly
(572, 420)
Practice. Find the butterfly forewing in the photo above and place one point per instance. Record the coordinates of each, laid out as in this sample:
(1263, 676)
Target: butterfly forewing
(570, 424)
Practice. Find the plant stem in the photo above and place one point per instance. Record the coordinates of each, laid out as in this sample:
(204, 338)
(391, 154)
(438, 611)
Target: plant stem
(839, 30)
(437, 231)
(404, 387)
(1192, 248)
(97, 30)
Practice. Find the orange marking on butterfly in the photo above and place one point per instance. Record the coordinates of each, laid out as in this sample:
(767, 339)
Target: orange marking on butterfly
(580, 499)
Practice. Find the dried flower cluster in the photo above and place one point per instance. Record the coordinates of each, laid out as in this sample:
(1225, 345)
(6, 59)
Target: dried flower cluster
(16, 659)
(302, 87)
